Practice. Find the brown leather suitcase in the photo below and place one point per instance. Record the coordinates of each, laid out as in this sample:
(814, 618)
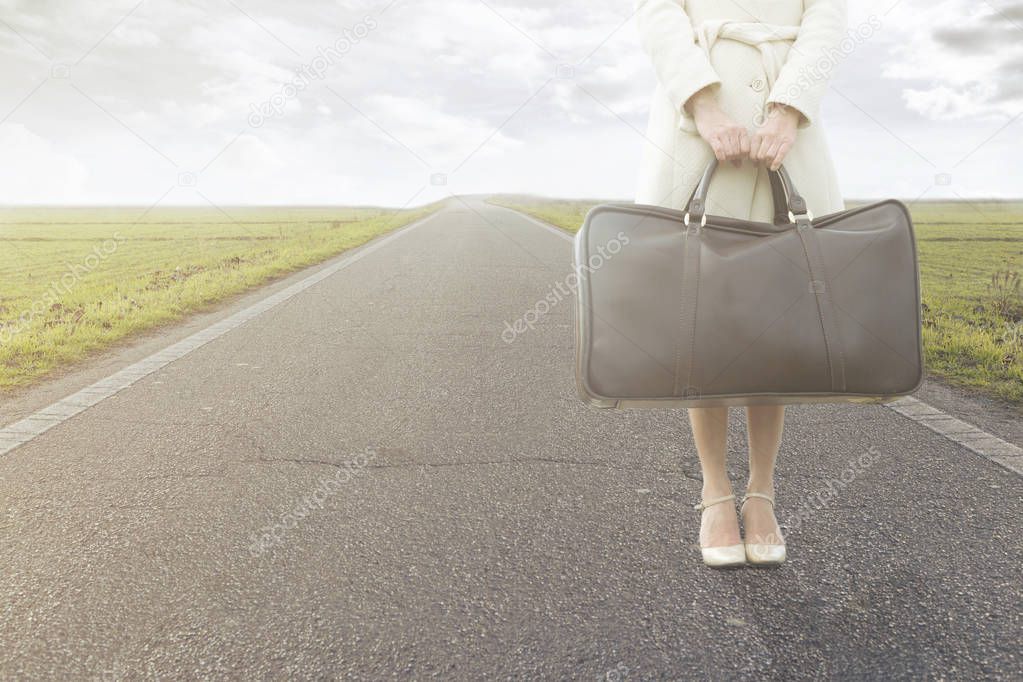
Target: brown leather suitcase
(685, 309)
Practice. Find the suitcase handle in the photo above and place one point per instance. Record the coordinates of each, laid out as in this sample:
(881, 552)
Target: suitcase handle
(783, 192)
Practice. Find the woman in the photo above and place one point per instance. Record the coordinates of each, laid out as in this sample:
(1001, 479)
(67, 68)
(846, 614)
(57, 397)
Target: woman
(740, 81)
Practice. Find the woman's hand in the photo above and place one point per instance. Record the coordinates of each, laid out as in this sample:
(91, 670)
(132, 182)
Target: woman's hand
(773, 139)
(729, 140)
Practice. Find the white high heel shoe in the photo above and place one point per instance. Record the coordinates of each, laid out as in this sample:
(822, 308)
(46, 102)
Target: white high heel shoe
(763, 554)
(730, 556)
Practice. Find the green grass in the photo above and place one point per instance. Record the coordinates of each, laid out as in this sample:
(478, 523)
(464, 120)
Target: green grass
(970, 254)
(565, 213)
(76, 280)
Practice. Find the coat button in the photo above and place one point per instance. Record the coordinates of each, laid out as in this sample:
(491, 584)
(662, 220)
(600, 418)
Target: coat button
(757, 84)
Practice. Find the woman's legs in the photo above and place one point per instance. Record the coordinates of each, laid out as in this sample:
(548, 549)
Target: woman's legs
(720, 527)
(764, 426)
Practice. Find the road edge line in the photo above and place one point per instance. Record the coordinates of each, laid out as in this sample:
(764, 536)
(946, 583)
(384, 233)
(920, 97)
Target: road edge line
(27, 429)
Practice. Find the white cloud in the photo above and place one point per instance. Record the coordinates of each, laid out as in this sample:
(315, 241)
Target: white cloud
(967, 57)
(38, 172)
(178, 78)
(134, 37)
(945, 102)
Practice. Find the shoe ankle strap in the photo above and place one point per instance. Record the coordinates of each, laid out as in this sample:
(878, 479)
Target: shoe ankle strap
(762, 496)
(710, 503)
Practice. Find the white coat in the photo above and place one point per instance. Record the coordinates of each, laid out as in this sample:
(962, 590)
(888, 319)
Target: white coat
(755, 51)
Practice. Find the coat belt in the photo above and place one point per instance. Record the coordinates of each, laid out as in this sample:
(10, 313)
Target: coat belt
(755, 34)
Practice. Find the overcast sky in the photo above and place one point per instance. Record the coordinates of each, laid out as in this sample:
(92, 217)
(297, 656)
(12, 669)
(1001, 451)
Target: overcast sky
(363, 102)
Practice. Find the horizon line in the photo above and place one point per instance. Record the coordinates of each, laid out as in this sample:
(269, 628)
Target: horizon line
(957, 200)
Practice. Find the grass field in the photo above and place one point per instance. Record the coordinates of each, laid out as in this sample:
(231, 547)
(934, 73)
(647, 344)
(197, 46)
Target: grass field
(74, 281)
(971, 263)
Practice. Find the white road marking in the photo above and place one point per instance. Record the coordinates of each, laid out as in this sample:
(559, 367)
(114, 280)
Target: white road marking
(969, 436)
(985, 444)
(25, 430)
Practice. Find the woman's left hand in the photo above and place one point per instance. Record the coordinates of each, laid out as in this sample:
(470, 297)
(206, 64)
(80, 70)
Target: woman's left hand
(773, 139)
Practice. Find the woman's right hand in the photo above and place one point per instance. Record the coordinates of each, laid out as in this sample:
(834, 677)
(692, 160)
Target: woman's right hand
(729, 140)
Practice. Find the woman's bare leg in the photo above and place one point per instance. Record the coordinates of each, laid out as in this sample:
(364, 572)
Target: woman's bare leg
(764, 427)
(720, 527)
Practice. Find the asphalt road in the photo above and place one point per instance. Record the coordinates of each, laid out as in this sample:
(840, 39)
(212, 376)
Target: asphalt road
(368, 482)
